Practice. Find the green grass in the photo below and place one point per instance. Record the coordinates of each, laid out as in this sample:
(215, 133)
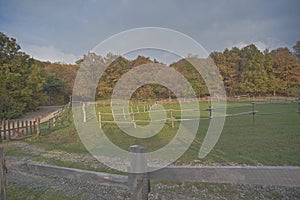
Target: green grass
(268, 139)
(271, 140)
(64, 138)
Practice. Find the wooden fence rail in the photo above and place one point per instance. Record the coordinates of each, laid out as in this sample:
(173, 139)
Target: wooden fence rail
(260, 175)
(20, 129)
(171, 119)
(139, 183)
(71, 173)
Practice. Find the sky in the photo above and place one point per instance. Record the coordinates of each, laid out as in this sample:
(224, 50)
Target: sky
(65, 30)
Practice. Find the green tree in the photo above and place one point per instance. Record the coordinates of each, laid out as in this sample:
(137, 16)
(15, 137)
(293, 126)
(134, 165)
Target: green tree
(184, 67)
(227, 63)
(21, 80)
(55, 89)
(254, 75)
(269, 67)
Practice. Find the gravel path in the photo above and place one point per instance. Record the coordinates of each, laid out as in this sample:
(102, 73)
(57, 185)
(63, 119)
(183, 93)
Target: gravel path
(159, 191)
(70, 188)
(42, 111)
(86, 191)
(85, 159)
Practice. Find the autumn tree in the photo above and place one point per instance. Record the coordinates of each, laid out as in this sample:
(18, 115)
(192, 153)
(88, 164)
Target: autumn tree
(187, 69)
(286, 71)
(227, 63)
(296, 49)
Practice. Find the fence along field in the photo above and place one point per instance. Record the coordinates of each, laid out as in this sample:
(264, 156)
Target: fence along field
(140, 113)
(21, 129)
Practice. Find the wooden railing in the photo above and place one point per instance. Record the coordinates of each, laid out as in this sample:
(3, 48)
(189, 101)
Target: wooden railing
(139, 183)
(13, 130)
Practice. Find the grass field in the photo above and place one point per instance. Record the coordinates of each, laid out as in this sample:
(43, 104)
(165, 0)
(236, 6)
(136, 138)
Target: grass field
(269, 139)
(274, 139)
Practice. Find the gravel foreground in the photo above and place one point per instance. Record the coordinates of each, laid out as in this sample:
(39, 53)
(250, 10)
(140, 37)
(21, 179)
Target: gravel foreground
(73, 189)
(159, 191)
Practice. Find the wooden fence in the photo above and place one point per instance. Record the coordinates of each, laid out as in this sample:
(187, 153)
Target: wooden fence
(20, 129)
(13, 130)
(139, 183)
(122, 116)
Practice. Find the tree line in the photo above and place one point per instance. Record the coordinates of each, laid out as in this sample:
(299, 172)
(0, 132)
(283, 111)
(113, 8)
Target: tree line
(250, 71)
(27, 83)
(245, 71)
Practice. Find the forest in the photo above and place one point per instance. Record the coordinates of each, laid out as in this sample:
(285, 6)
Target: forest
(27, 83)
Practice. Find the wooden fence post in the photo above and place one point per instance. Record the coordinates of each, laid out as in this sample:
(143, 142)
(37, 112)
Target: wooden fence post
(54, 121)
(30, 127)
(22, 124)
(299, 105)
(133, 120)
(4, 129)
(113, 114)
(9, 129)
(83, 111)
(1, 132)
(100, 120)
(139, 183)
(253, 112)
(38, 128)
(26, 124)
(172, 118)
(2, 175)
(18, 125)
(124, 114)
(209, 109)
(34, 127)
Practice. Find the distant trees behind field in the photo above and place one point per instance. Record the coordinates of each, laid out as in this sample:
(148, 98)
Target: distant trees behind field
(27, 83)
(243, 71)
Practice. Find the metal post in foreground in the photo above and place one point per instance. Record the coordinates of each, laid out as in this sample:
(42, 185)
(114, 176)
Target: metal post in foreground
(138, 181)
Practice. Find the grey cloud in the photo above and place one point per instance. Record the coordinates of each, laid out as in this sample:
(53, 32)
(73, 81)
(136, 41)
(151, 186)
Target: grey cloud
(75, 27)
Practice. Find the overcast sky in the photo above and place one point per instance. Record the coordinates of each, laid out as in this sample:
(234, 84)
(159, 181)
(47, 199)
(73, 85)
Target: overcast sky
(65, 30)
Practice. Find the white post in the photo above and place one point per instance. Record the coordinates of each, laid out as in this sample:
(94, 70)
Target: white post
(100, 120)
(133, 120)
(83, 111)
(124, 114)
(112, 112)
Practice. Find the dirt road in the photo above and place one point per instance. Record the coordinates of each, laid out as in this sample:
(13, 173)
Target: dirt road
(43, 111)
